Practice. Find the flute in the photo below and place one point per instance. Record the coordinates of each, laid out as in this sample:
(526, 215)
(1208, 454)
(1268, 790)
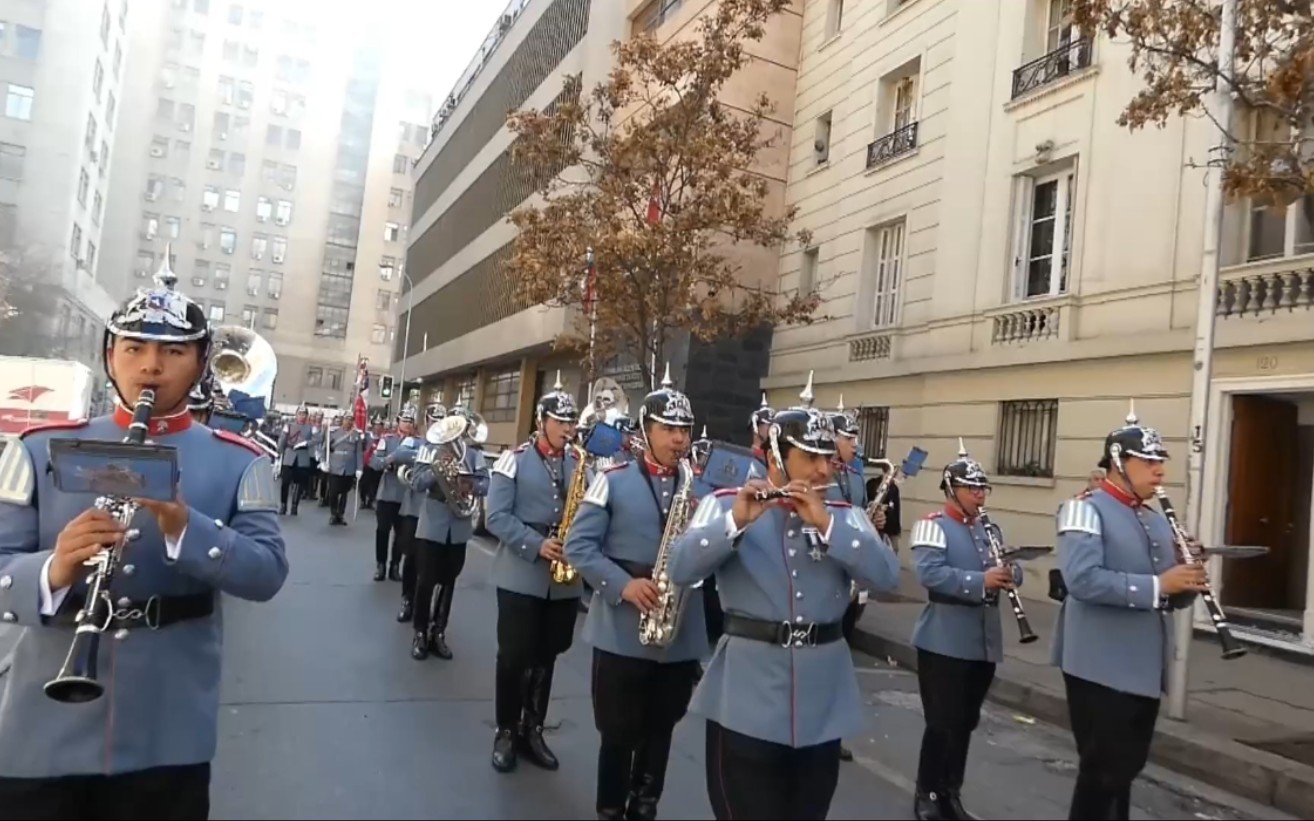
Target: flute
(782, 493)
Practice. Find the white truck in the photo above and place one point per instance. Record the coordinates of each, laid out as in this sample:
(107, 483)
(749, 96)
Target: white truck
(40, 391)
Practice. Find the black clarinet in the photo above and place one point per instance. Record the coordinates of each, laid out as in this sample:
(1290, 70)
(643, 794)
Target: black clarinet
(992, 596)
(1232, 649)
(76, 682)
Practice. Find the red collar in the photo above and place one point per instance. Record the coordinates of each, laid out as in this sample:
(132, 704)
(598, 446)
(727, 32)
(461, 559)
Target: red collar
(159, 425)
(545, 448)
(957, 515)
(656, 469)
(759, 452)
(1120, 494)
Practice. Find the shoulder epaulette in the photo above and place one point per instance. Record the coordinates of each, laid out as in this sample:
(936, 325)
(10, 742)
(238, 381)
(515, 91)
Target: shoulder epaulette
(934, 515)
(1085, 494)
(726, 491)
(522, 448)
(69, 425)
(615, 468)
(839, 504)
(233, 438)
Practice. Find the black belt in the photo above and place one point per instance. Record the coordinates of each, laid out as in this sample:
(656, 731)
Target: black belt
(782, 632)
(546, 531)
(154, 613)
(637, 570)
(940, 598)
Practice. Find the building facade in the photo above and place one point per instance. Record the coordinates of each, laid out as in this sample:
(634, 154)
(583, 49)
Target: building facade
(61, 67)
(270, 151)
(469, 338)
(1001, 261)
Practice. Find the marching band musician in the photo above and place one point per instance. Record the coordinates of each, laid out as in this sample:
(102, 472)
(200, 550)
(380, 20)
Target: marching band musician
(318, 430)
(759, 422)
(409, 513)
(296, 444)
(371, 477)
(440, 544)
(144, 748)
(535, 615)
(346, 458)
(640, 692)
(959, 637)
(846, 469)
(1114, 634)
(781, 689)
(384, 459)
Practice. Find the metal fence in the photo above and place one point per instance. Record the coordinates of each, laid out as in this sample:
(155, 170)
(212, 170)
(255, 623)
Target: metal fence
(1027, 436)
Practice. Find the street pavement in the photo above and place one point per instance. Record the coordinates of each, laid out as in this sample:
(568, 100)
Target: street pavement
(325, 715)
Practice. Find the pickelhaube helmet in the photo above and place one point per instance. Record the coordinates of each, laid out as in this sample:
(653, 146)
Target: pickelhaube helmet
(557, 404)
(845, 422)
(1132, 439)
(201, 396)
(963, 472)
(407, 414)
(435, 410)
(761, 416)
(666, 405)
(803, 427)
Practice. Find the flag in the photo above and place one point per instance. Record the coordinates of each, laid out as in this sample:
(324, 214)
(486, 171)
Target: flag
(360, 409)
(655, 204)
(588, 284)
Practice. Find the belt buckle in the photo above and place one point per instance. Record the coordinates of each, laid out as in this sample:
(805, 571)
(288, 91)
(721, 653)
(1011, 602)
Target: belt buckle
(799, 636)
(151, 613)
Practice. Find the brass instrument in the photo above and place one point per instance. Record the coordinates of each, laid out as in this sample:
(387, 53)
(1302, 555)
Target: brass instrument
(660, 627)
(445, 454)
(244, 361)
(76, 682)
(562, 572)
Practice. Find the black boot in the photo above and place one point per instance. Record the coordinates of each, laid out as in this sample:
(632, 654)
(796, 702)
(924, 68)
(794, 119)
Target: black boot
(296, 498)
(438, 630)
(611, 815)
(643, 802)
(931, 806)
(504, 750)
(407, 610)
(954, 805)
(531, 723)
(845, 753)
(282, 509)
(420, 646)
(378, 572)
(394, 572)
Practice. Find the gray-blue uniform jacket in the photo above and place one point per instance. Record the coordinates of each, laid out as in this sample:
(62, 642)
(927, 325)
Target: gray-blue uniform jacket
(292, 435)
(1114, 627)
(525, 498)
(162, 701)
(346, 452)
(437, 522)
(411, 501)
(618, 521)
(797, 695)
(385, 460)
(951, 558)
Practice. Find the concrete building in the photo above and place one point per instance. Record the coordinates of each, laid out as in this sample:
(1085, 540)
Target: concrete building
(61, 68)
(270, 147)
(468, 336)
(1002, 262)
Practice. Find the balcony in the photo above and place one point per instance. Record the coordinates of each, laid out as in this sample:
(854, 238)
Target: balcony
(1025, 325)
(1254, 290)
(1063, 61)
(874, 346)
(895, 144)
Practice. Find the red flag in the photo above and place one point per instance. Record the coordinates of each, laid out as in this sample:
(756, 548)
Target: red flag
(655, 204)
(360, 411)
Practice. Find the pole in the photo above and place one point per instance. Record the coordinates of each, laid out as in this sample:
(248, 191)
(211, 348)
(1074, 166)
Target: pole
(1220, 109)
(591, 292)
(406, 340)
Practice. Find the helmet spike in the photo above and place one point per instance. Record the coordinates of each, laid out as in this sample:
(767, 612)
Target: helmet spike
(807, 395)
(556, 386)
(1132, 421)
(764, 402)
(165, 277)
(962, 449)
(666, 378)
(840, 408)
(704, 432)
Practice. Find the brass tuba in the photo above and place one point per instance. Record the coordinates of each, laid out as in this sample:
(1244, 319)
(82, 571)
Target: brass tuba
(242, 360)
(444, 452)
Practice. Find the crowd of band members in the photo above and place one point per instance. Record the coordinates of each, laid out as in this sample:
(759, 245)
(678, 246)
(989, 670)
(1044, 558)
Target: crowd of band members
(778, 694)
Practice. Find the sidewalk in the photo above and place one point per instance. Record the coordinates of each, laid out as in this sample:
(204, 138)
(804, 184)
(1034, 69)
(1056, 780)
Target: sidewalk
(1244, 717)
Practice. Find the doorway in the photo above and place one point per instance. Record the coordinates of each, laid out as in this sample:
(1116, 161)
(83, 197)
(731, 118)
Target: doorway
(1270, 482)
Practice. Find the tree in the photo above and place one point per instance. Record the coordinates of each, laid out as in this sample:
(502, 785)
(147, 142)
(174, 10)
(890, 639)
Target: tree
(29, 304)
(1174, 48)
(650, 177)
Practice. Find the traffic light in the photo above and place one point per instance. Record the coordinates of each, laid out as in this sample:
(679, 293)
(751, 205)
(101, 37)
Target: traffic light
(385, 387)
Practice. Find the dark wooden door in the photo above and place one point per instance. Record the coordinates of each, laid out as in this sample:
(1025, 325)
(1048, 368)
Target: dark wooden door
(1261, 501)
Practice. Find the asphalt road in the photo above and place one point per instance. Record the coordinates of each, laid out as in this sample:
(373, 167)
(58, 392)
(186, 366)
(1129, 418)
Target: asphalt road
(326, 716)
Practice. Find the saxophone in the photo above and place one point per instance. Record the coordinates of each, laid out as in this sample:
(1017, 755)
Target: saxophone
(660, 627)
(563, 573)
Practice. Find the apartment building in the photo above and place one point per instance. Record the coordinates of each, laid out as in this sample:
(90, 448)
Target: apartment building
(469, 338)
(1002, 262)
(270, 150)
(61, 68)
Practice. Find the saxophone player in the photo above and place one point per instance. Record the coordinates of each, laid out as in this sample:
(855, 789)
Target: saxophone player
(781, 691)
(1120, 581)
(959, 636)
(535, 615)
(846, 470)
(640, 692)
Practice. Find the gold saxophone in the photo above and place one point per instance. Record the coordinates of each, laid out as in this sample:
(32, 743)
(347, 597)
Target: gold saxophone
(659, 627)
(563, 573)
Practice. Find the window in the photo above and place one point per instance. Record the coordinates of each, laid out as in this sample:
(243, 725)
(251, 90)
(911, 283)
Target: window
(1044, 234)
(186, 116)
(235, 15)
(118, 59)
(12, 158)
(821, 145)
(383, 300)
(221, 124)
(259, 246)
(1059, 29)
(905, 99)
(334, 379)
(232, 50)
(145, 264)
(883, 278)
(284, 215)
(221, 274)
(104, 25)
(293, 140)
(27, 45)
(257, 18)
(314, 377)
(245, 94)
(172, 227)
(394, 197)
(196, 42)
(834, 18)
(280, 249)
(250, 56)
(91, 256)
(387, 267)
(874, 431)
(182, 149)
(465, 391)
(399, 163)
(391, 232)
(98, 79)
(501, 396)
(75, 242)
(1277, 231)
(18, 102)
(274, 285)
(807, 272)
(207, 236)
(215, 161)
(379, 334)
(1027, 434)
(227, 240)
(201, 6)
(227, 90)
(110, 108)
(210, 198)
(84, 184)
(97, 204)
(287, 177)
(217, 313)
(89, 139)
(236, 164)
(654, 14)
(274, 135)
(270, 318)
(264, 209)
(343, 230)
(331, 321)
(269, 172)
(249, 313)
(150, 225)
(232, 201)
(200, 273)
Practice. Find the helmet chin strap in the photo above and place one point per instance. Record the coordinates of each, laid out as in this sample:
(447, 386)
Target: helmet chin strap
(774, 439)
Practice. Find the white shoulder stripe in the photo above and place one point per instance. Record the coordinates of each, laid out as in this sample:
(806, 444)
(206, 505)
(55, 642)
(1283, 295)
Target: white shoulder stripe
(255, 493)
(506, 464)
(17, 477)
(708, 511)
(599, 491)
(928, 533)
(1080, 516)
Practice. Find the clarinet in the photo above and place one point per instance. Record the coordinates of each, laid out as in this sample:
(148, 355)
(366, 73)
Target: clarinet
(997, 554)
(1232, 648)
(76, 682)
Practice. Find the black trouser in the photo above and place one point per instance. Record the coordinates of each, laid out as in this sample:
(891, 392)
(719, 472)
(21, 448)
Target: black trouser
(313, 474)
(1113, 731)
(748, 778)
(531, 633)
(636, 705)
(369, 485)
(953, 691)
(294, 478)
(406, 538)
(388, 524)
(712, 611)
(164, 793)
(339, 488)
(850, 620)
(439, 565)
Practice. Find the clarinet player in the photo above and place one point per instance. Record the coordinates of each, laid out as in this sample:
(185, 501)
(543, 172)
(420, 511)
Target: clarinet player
(1114, 636)
(959, 636)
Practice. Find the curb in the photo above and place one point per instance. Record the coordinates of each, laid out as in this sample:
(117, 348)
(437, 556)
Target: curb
(1216, 760)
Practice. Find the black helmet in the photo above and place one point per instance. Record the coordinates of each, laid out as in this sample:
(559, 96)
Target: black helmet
(803, 427)
(761, 416)
(408, 414)
(557, 404)
(434, 412)
(845, 422)
(1132, 439)
(201, 396)
(963, 472)
(666, 405)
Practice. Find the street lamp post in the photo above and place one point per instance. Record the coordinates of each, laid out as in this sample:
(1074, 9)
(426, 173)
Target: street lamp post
(406, 339)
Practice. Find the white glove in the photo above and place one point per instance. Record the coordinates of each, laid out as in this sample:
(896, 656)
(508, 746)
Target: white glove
(358, 475)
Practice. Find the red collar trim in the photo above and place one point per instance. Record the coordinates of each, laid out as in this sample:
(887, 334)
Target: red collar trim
(656, 469)
(957, 515)
(1120, 494)
(545, 448)
(759, 453)
(159, 425)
